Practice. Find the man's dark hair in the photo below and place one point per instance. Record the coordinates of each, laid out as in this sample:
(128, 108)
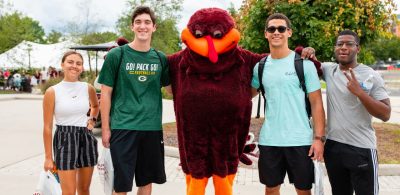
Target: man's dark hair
(143, 10)
(278, 16)
(349, 32)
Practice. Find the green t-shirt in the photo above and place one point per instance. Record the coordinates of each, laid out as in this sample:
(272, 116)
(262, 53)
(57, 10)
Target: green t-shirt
(136, 103)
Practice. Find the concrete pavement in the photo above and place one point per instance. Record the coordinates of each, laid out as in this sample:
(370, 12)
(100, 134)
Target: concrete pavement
(21, 178)
(22, 154)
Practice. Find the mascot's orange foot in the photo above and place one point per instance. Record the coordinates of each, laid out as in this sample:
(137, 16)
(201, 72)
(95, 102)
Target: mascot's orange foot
(222, 185)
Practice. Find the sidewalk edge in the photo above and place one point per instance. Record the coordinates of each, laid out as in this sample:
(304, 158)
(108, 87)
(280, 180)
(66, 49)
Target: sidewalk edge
(384, 169)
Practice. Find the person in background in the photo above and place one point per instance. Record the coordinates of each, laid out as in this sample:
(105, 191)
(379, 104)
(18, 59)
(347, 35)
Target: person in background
(6, 77)
(53, 72)
(2, 80)
(17, 80)
(74, 152)
(37, 77)
(44, 75)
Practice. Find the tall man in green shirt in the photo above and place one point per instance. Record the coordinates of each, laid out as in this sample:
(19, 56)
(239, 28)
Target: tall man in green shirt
(131, 108)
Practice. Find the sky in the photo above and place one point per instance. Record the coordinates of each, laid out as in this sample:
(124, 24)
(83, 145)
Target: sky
(55, 14)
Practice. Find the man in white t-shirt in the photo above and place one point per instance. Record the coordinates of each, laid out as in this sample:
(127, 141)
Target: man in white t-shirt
(44, 75)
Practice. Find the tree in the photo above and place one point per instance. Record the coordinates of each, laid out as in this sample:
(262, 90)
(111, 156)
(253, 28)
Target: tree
(86, 22)
(53, 37)
(98, 37)
(166, 37)
(232, 11)
(315, 23)
(15, 28)
(385, 48)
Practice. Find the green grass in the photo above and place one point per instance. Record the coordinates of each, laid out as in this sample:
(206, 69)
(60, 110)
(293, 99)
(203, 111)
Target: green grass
(8, 92)
(397, 132)
(165, 95)
(390, 162)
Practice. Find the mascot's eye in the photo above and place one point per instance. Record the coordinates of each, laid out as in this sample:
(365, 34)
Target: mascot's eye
(198, 34)
(217, 34)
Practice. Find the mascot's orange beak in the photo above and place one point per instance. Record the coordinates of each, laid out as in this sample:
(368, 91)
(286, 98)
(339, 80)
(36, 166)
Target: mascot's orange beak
(210, 47)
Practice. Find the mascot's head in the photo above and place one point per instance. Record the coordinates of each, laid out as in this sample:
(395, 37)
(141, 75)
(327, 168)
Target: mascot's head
(210, 32)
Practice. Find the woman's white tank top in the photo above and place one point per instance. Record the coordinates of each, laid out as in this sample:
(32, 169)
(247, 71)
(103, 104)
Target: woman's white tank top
(71, 103)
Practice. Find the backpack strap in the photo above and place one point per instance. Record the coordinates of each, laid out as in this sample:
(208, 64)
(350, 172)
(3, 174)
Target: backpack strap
(261, 65)
(159, 57)
(161, 61)
(298, 65)
(118, 72)
(261, 89)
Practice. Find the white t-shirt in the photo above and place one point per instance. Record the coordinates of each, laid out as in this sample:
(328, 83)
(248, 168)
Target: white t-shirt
(71, 103)
(44, 75)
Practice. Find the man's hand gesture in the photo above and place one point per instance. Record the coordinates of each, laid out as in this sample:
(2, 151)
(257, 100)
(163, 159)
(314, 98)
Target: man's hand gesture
(353, 85)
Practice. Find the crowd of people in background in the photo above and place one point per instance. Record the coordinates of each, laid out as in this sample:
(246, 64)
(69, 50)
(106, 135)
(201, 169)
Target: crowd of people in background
(25, 80)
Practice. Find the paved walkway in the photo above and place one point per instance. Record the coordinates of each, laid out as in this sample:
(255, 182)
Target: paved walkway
(21, 178)
(22, 154)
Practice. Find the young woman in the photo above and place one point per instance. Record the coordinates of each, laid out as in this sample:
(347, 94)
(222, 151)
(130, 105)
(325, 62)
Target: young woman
(74, 146)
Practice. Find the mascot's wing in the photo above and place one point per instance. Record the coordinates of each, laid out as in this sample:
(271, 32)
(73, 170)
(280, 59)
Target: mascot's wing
(173, 63)
(251, 58)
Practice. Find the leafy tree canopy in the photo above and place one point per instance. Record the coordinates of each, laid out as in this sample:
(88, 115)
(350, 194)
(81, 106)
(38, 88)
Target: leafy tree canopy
(316, 23)
(385, 48)
(98, 37)
(53, 37)
(14, 28)
(166, 37)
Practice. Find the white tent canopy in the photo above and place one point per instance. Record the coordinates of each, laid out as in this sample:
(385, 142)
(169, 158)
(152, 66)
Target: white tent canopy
(42, 55)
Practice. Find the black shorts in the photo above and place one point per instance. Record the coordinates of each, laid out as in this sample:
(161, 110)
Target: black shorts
(74, 147)
(138, 154)
(351, 169)
(275, 162)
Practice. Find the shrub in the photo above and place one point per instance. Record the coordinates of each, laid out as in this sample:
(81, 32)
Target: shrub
(165, 95)
(49, 83)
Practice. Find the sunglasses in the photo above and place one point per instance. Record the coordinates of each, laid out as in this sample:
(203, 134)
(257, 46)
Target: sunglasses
(272, 29)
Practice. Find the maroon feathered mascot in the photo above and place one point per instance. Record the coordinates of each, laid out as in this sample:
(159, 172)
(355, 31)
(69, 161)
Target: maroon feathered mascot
(212, 100)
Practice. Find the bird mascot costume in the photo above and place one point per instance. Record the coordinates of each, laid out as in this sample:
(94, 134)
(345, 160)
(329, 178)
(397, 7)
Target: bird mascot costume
(212, 100)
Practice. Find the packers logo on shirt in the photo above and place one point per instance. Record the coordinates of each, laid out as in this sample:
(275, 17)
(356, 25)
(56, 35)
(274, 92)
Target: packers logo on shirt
(142, 78)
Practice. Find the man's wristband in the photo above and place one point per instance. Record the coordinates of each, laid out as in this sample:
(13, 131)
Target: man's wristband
(320, 138)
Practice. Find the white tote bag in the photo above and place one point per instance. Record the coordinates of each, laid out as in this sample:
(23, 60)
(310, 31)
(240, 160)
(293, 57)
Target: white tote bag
(106, 171)
(319, 178)
(48, 184)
